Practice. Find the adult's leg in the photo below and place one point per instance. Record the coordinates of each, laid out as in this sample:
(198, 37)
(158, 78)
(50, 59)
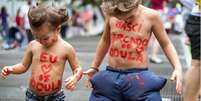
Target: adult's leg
(192, 81)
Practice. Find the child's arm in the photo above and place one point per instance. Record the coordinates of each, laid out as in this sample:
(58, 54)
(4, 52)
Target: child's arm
(101, 50)
(102, 47)
(168, 48)
(20, 67)
(71, 82)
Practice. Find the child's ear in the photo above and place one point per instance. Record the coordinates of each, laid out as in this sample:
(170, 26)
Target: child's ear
(58, 29)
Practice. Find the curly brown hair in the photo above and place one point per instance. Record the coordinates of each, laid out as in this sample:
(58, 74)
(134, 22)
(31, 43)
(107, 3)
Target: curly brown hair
(52, 16)
(119, 7)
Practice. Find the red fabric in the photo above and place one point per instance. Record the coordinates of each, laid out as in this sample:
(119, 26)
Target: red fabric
(157, 4)
(19, 20)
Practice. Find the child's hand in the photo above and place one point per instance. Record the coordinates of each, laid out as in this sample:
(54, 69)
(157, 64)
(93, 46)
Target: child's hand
(90, 72)
(177, 75)
(6, 71)
(70, 83)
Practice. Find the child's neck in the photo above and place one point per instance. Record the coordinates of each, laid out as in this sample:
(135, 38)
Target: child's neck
(135, 15)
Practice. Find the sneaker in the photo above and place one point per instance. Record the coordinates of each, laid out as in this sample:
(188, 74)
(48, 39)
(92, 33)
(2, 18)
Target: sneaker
(156, 60)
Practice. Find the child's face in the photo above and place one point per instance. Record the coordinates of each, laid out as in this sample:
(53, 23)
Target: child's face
(45, 36)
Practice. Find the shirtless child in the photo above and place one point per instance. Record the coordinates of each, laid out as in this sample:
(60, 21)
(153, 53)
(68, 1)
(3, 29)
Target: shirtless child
(128, 28)
(46, 56)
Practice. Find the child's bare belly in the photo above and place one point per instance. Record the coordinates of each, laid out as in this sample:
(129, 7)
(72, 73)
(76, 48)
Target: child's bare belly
(126, 58)
(45, 82)
(122, 64)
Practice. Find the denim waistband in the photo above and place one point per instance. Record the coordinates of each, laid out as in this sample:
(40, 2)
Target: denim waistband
(30, 93)
(132, 70)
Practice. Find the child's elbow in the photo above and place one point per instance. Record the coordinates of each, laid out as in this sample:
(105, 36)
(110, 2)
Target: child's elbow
(24, 68)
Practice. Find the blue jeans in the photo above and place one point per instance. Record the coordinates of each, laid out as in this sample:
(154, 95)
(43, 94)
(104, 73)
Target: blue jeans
(126, 85)
(58, 96)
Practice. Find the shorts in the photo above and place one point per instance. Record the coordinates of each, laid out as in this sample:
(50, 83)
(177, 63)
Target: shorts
(192, 29)
(126, 85)
(58, 96)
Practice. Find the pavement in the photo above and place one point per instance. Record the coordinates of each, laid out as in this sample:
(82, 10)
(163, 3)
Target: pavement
(13, 88)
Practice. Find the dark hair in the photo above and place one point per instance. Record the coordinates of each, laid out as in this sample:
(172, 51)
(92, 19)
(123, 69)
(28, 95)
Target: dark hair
(3, 10)
(54, 17)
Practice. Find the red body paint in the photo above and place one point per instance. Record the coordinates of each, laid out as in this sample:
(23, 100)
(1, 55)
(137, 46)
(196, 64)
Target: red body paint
(45, 57)
(8, 70)
(139, 79)
(126, 43)
(124, 39)
(46, 68)
(44, 78)
(53, 59)
(114, 52)
(47, 61)
(129, 27)
(45, 87)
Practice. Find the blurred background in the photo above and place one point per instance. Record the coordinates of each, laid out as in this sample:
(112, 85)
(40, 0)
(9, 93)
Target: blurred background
(83, 31)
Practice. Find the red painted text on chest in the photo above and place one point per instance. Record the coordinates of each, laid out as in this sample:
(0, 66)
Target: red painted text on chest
(128, 26)
(45, 57)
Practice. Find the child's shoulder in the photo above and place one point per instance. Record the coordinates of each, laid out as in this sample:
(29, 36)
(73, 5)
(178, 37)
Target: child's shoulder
(67, 48)
(66, 45)
(151, 13)
(34, 44)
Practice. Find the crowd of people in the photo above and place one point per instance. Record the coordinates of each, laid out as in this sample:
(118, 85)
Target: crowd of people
(84, 19)
(82, 22)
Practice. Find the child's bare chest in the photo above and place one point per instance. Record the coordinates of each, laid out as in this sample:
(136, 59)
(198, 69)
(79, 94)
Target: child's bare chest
(129, 39)
(48, 57)
(124, 34)
(139, 28)
(47, 69)
(48, 61)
